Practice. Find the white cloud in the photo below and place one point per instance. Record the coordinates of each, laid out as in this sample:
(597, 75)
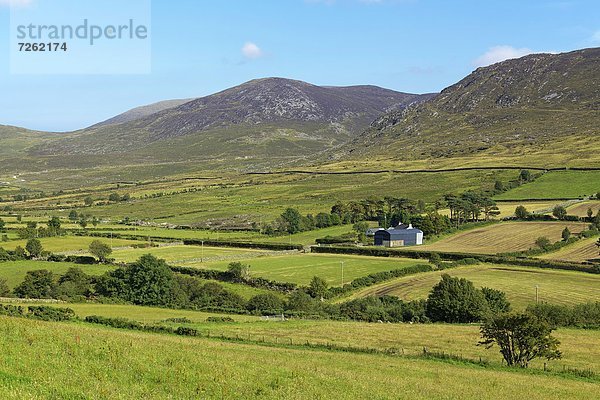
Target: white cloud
(15, 3)
(500, 53)
(252, 51)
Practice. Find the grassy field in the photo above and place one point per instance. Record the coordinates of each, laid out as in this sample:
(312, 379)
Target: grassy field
(519, 284)
(69, 243)
(583, 250)
(52, 360)
(503, 238)
(581, 209)
(180, 255)
(411, 338)
(557, 185)
(301, 268)
(14, 271)
(507, 209)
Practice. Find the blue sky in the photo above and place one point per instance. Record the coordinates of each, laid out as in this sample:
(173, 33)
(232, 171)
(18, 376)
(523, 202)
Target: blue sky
(201, 47)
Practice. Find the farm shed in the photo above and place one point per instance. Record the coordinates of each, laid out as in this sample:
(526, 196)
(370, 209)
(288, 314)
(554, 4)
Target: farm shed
(401, 235)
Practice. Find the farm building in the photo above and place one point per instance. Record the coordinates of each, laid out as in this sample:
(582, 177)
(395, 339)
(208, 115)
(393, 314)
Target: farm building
(372, 231)
(401, 235)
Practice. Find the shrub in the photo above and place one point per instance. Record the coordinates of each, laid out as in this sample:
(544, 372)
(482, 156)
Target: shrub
(38, 284)
(51, 313)
(220, 319)
(265, 303)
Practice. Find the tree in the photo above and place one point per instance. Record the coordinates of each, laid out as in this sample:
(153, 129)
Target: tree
(590, 212)
(88, 201)
(521, 212)
(74, 283)
(543, 242)
(239, 272)
(2, 225)
(114, 197)
(496, 300)
(38, 284)
(566, 234)
(293, 220)
(521, 337)
(323, 220)
(54, 223)
(83, 222)
(34, 248)
(317, 287)
(100, 250)
(525, 175)
(499, 186)
(4, 289)
(73, 215)
(149, 281)
(361, 229)
(455, 300)
(559, 212)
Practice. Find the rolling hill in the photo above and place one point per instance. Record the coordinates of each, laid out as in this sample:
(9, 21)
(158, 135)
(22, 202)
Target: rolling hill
(266, 117)
(541, 103)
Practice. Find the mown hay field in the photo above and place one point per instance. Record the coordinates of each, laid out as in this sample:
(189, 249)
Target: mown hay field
(56, 360)
(519, 284)
(581, 209)
(581, 251)
(503, 237)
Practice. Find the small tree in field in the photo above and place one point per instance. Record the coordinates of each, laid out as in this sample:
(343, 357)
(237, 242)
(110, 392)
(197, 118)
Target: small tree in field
(521, 337)
(521, 212)
(559, 212)
(34, 248)
(100, 250)
(566, 234)
(317, 287)
(543, 242)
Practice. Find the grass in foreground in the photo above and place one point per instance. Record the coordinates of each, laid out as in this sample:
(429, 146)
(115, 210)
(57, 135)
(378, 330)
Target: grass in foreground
(555, 287)
(503, 238)
(52, 360)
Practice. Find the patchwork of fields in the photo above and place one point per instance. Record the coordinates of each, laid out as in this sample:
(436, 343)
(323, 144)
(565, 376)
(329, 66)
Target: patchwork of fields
(582, 251)
(557, 185)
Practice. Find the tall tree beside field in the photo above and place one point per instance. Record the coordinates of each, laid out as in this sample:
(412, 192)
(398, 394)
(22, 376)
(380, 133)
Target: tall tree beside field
(559, 212)
(317, 288)
(100, 250)
(566, 234)
(37, 285)
(521, 338)
(521, 212)
(293, 220)
(455, 300)
(34, 248)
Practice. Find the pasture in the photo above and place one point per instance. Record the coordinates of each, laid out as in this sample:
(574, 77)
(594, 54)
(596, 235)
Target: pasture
(519, 284)
(181, 255)
(55, 360)
(301, 268)
(557, 185)
(504, 237)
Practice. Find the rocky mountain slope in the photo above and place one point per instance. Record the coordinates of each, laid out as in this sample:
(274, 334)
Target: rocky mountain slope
(141, 112)
(519, 105)
(264, 117)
